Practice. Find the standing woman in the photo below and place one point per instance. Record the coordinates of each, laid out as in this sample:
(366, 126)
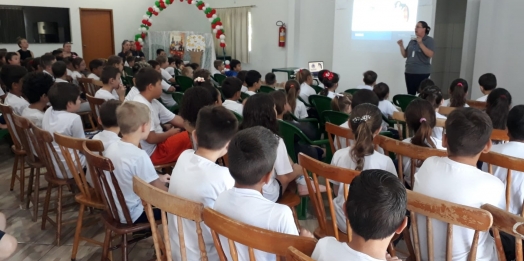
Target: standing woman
(23, 52)
(66, 52)
(418, 53)
(126, 46)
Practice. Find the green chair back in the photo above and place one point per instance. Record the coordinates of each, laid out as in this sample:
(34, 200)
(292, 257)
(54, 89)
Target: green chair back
(288, 132)
(317, 88)
(239, 117)
(266, 89)
(351, 91)
(178, 96)
(128, 71)
(403, 100)
(334, 117)
(184, 82)
(305, 102)
(244, 95)
(220, 78)
(321, 103)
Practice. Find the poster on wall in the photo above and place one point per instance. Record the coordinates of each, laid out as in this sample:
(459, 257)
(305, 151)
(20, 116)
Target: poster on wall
(196, 45)
(176, 47)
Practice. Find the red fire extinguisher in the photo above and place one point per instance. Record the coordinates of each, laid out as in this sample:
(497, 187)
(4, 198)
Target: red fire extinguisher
(281, 34)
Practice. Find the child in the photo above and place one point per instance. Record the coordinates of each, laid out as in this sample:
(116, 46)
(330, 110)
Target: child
(365, 122)
(69, 62)
(167, 98)
(12, 76)
(24, 52)
(231, 89)
(196, 176)
(60, 72)
(255, 152)
(111, 89)
(7, 242)
(468, 132)
(109, 122)
(271, 80)
(342, 103)
(305, 79)
(162, 61)
(242, 77)
(134, 91)
(179, 66)
(203, 73)
(236, 67)
(253, 82)
(162, 147)
(171, 67)
(218, 67)
(386, 107)
(35, 88)
(330, 81)
(487, 83)
(79, 65)
(187, 71)
(195, 66)
(160, 52)
(46, 63)
(298, 108)
(129, 160)
(95, 66)
(195, 99)
(12, 58)
(376, 210)
(457, 91)
(498, 104)
(370, 78)
(433, 95)
(424, 84)
(130, 61)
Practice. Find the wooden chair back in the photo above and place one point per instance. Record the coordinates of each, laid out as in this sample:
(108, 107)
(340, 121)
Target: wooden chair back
(89, 86)
(23, 129)
(47, 153)
(95, 104)
(477, 104)
(7, 112)
(169, 203)
(445, 110)
(400, 117)
(510, 224)
(447, 212)
(339, 136)
(295, 255)
(500, 135)
(329, 173)
(259, 239)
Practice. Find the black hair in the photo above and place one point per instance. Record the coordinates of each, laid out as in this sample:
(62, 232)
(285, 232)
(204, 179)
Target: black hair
(195, 99)
(47, 60)
(515, 123)
(433, 95)
(28, 64)
(59, 69)
(170, 60)
(468, 130)
(145, 77)
(108, 113)
(271, 78)
(130, 59)
(381, 90)
(159, 51)
(370, 77)
(108, 73)
(376, 204)
(35, 85)
(420, 117)
(9, 56)
(195, 66)
(252, 77)
(321, 75)
(178, 62)
(488, 81)
(76, 62)
(153, 63)
(329, 83)
(259, 110)
(458, 90)
(212, 89)
(12, 74)
(254, 151)
(364, 96)
(280, 101)
(95, 64)
(61, 94)
(57, 52)
(231, 86)
(215, 127)
(242, 76)
(425, 26)
(424, 84)
(114, 60)
(234, 64)
(497, 107)
(35, 63)
(202, 73)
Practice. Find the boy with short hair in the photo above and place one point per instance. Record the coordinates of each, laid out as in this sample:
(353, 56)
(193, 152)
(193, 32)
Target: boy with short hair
(376, 210)
(254, 151)
(370, 78)
(163, 62)
(129, 160)
(12, 58)
(242, 77)
(12, 76)
(271, 80)
(134, 91)
(236, 67)
(130, 61)
(218, 67)
(171, 67)
(253, 82)
(160, 52)
(196, 176)
(487, 83)
(167, 99)
(59, 71)
(231, 89)
(35, 88)
(456, 179)
(46, 62)
(109, 122)
(112, 88)
(162, 147)
(95, 66)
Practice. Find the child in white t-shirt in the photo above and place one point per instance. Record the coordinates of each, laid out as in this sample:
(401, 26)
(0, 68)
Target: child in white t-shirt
(253, 82)
(112, 88)
(458, 91)
(298, 108)
(95, 66)
(35, 88)
(386, 107)
(163, 62)
(456, 179)
(305, 79)
(12, 76)
(433, 95)
(487, 83)
(60, 72)
(231, 89)
(376, 210)
(109, 122)
(370, 78)
(46, 63)
(166, 97)
(218, 67)
(270, 80)
(330, 82)
(134, 91)
(79, 65)
(252, 153)
(197, 177)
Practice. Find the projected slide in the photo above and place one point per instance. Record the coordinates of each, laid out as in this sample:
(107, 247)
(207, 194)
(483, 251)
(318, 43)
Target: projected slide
(383, 19)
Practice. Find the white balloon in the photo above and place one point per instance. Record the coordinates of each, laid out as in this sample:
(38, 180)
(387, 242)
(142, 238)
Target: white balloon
(156, 9)
(222, 37)
(206, 6)
(151, 20)
(194, 2)
(227, 62)
(140, 39)
(215, 31)
(210, 20)
(145, 16)
(215, 16)
(219, 27)
(222, 40)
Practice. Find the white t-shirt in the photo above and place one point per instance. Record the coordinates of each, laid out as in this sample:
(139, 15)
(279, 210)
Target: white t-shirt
(365, 87)
(165, 74)
(107, 138)
(129, 161)
(330, 249)
(171, 71)
(446, 103)
(18, 104)
(513, 149)
(167, 99)
(483, 98)
(233, 106)
(243, 89)
(251, 93)
(300, 110)
(68, 124)
(331, 95)
(105, 95)
(214, 71)
(59, 80)
(132, 93)
(445, 179)
(159, 115)
(306, 91)
(69, 72)
(437, 131)
(1, 92)
(250, 207)
(34, 115)
(406, 161)
(343, 159)
(283, 166)
(200, 180)
(75, 75)
(387, 108)
(93, 76)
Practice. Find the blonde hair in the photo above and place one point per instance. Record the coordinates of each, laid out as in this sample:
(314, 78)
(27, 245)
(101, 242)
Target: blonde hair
(341, 102)
(303, 75)
(131, 115)
(185, 71)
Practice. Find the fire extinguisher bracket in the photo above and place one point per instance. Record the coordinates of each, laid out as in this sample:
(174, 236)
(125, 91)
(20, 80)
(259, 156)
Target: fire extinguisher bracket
(281, 34)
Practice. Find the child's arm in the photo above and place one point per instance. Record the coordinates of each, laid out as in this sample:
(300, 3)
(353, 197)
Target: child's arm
(155, 138)
(177, 121)
(77, 128)
(160, 183)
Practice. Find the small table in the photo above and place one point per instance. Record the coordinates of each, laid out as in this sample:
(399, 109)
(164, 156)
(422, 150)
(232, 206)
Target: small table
(290, 71)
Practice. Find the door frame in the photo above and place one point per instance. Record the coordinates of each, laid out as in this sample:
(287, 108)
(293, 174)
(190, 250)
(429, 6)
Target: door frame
(112, 25)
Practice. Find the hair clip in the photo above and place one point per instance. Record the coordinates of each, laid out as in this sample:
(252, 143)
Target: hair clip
(328, 75)
(291, 86)
(361, 119)
(503, 96)
(199, 79)
(460, 84)
(422, 120)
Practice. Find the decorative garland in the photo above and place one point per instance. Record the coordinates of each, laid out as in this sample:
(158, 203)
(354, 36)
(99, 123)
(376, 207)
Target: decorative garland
(160, 5)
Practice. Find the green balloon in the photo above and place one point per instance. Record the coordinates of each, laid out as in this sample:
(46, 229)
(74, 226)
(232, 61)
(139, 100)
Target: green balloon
(148, 13)
(157, 3)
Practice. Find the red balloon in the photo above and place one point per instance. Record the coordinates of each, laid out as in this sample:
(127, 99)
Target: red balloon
(213, 11)
(223, 45)
(200, 7)
(219, 23)
(209, 15)
(213, 26)
(143, 35)
(189, 1)
(150, 9)
(144, 21)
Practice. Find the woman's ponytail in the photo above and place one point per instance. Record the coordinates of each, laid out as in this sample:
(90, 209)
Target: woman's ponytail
(497, 107)
(420, 117)
(365, 120)
(459, 88)
(292, 90)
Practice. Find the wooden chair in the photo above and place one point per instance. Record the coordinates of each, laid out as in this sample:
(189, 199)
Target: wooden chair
(89, 86)
(477, 104)
(95, 104)
(295, 255)
(510, 224)
(453, 214)
(101, 170)
(258, 238)
(401, 118)
(342, 136)
(500, 135)
(169, 203)
(444, 110)
(71, 149)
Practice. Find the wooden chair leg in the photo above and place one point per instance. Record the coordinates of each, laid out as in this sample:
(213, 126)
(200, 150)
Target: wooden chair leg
(30, 188)
(59, 216)
(36, 195)
(124, 247)
(107, 245)
(22, 178)
(78, 230)
(46, 205)
(295, 217)
(13, 173)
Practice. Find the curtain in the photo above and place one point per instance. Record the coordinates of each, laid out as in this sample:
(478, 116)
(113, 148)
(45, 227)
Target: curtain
(12, 24)
(236, 28)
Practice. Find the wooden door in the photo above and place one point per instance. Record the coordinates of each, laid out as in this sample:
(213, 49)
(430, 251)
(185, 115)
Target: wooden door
(97, 33)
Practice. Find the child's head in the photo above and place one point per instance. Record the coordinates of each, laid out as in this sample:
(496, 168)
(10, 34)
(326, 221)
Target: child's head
(203, 73)
(130, 60)
(212, 89)
(149, 80)
(433, 95)
(253, 79)
(468, 133)
(420, 117)
(515, 123)
(115, 61)
(487, 82)
(242, 76)
(376, 205)
(188, 72)
(231, 88)
(59, 69)
(215, 127)
(64, 97)
(27, 63)
(304, 76)
(292, 88)
(235, 65)
(255, 152)
(162, 61)
(133, 117)
(79, 64)
(271, 79)
(424, 84)
(154, 64)
(36, 85)
(58, 53)
(108, 114)
(96, 66)
(160, 52)
(12, 76)
(342, 103)
(259, 110)
(179, 64)
(321, 75)
(497, 107)
(330, 81)
(365, 121)
(370, 77)
(22, 42)
(111, 76)
(68, 61)
(12, 58)
(281, 104)
(364, 96)
(381, 90)
(46, 61)
(195, 99)
(195, 66)
(458, 91)
(138, 66)
(219, 65)
(36, 64)
(171, 62)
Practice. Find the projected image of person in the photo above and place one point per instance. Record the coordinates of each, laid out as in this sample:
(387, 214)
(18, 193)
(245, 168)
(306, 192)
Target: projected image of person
(404, 10)
(418, 54)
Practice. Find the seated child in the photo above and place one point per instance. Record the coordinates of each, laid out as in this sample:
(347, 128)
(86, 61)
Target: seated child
(112, 88)
(330, 81)
(255, 152)
(60, 72)
(134, 91)
(179, 66)
(487, 83)
(12, 76)
(218, 67)
(195, 66)
(95, 66)
(197, 177)
(79, 65)
(305, 79)
(235, 66)
(160, 52)
(253, 82)
(35, 88)
(298, 108)
(46, 63)
(8, 243)
(163, 63)
(342, 103)
(166, 98)
(498, 104)
(171, 67)
(12, 58)
(376, 210)
(271, 80)
(370, 78)
(130, 61)
(242, 77)
(424, 84)
(468, 132)
(129, 160)
(458, 92)
(231, 89)
(187, 71)
(202, 73)
(433, 95)
(386, 107)
(109, 122)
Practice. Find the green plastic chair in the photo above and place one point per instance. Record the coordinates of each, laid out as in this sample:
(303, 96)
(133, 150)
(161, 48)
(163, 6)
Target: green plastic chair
(220, 78)
(321, 103)
(238, 116)
(403, 100)
(317, 88)
(128, 71)
(351, 91)
(334, 117)
(177, 96)
(184, 82)
(244, 95)
(4, 133)
(305, 102)
(266, 89)
(391, 123)
(311, 121)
